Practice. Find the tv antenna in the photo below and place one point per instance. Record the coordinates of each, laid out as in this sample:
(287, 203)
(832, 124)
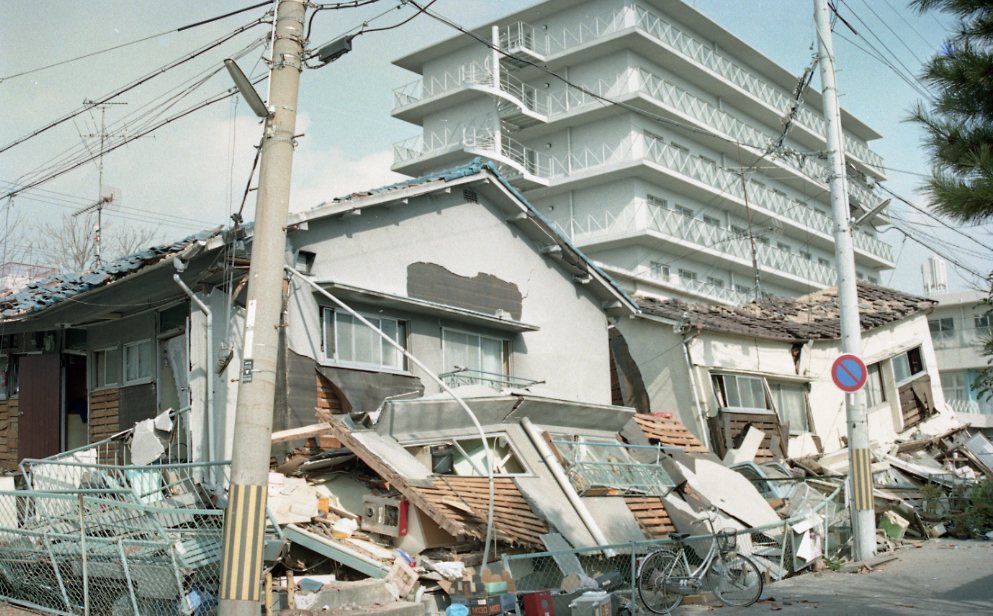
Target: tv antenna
(104, 197)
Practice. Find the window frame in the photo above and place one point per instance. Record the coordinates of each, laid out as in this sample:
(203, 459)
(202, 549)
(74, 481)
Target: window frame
(875, 373)
(124, 362)
(912, 375)
(94, 384)
(402, 338)
(505, 350)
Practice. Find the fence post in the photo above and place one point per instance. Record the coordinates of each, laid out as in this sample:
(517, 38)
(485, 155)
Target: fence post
(634, 580)
(82, 545)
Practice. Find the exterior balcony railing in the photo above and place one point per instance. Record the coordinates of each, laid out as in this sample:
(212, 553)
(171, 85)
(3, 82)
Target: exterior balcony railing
(642, 216)
(469, 376)
(972, 407)
(521, 35)
(480, 139)
(686, 164)
(671, 95)
(475, 74)
(970, 337)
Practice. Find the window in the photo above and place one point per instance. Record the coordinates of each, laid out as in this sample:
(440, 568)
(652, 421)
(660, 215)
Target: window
(106, 367)
(348, 340)
(942, 328)
(874, 392)
(762, 240)
(954, 385)
(659, 270)
(806, 256)
(713, 222)
(305, 261)
(873, 280)
(8, 376)
(784, 247)
(740, 288)
(138, 363)
(740, 390)
(657, 201)
(466, 457)
(715, 282)
(823, 262)
(982, 323)
(907, 365)
(682, 210)
(687, 275)
(463, 350)
(791, 404)
(739, 231)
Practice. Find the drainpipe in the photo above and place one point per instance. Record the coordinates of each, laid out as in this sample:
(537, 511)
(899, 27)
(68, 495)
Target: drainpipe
(209, 363)
(694, 393)
(553, 464)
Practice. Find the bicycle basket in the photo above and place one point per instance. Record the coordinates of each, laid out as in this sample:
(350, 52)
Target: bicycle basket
(727, 539)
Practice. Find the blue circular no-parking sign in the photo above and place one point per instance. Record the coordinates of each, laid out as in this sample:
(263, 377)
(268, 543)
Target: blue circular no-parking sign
(849, 373)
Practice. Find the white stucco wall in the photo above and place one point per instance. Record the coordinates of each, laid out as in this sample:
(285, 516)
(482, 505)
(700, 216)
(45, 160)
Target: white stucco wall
(373, 250)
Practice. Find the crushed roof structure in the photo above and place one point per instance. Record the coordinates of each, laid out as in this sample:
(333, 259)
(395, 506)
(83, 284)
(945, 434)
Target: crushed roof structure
(808, 317)
(57, 288)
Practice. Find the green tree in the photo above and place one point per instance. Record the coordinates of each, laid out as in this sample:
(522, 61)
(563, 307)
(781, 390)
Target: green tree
(958, 127)
(959, 121)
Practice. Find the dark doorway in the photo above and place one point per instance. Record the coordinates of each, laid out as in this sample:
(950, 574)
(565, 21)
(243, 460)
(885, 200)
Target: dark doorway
(76, 402)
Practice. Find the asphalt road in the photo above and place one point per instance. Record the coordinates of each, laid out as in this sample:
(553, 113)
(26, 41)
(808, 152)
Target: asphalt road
(939, 576)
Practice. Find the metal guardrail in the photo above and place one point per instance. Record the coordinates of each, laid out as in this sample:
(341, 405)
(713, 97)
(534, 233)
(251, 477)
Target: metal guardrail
(774, 544)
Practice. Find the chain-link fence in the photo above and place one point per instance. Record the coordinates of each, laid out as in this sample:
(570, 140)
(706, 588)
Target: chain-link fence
(90, 537)
(778, 549)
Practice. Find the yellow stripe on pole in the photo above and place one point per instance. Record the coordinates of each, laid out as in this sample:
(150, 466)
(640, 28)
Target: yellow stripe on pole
(244, 524)
(861, 474)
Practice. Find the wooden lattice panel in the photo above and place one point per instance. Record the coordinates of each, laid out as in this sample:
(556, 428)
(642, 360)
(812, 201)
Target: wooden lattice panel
(8, 434)
(103, 418)
(651, 515)
(466, 499)
(669, 431)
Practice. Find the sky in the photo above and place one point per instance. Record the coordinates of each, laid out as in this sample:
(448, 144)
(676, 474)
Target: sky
(191, 174)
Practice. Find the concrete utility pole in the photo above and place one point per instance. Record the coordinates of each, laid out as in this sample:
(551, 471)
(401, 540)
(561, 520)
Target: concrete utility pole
(244, 519)
(860, 476)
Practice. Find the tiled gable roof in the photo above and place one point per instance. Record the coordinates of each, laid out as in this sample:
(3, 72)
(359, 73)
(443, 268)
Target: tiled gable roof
(809, 317)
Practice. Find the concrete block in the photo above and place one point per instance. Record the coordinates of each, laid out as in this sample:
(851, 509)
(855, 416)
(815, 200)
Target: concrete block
(894, 525)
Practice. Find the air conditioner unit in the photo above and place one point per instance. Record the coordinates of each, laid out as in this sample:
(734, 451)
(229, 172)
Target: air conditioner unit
(386, 516)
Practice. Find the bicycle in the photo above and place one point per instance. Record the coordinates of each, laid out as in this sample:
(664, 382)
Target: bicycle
(665, 576)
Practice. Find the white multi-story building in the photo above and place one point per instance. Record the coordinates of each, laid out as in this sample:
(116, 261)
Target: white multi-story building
(667, 189)
(960, 325)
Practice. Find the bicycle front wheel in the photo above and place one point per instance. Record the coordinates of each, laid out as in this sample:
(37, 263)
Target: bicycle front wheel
(735, 580)
(654, 587)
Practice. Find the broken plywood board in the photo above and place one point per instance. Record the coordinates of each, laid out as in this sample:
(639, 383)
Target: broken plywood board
(549, 502)
(730, 492)
(614, 518)
(747, 450)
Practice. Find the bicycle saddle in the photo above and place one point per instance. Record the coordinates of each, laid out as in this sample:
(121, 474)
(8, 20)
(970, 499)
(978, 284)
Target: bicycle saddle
(678, 536)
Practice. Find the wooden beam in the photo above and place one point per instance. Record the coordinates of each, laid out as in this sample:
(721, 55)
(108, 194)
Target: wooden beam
(302, 433)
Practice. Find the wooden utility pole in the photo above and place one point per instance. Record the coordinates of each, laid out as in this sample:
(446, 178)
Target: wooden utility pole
(860, 475)
(244, 518)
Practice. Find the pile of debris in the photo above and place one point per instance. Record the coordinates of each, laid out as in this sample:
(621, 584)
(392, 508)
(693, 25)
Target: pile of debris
(922, 487)
(580, 492)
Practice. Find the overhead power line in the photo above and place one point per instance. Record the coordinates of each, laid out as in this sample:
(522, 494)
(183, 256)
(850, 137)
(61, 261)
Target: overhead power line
(129, 44)
(134, 84)
(983, 245)
(129, 138)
